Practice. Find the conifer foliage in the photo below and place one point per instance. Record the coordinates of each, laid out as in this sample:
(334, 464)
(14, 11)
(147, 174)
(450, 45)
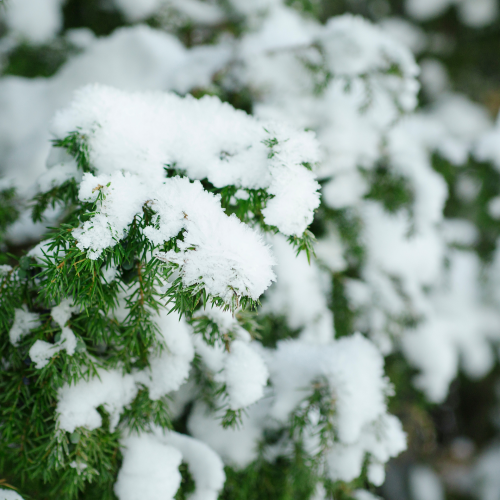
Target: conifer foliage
(241, 257)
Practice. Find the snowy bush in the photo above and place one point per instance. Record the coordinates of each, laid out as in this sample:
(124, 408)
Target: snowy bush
(247, 249)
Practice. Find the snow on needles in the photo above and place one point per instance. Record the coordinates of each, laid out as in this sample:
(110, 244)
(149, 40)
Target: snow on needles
(132, 137)
(77, 406)
(150, 467)
(141, 133)
(150, 470)
(219, 251)
(352, 368)
(170, 369)
(24, 321)
(41, 352)
(356, 47)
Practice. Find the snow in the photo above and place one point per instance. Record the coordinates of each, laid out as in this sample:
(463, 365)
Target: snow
(381, 439)
(9, 495)
(5, 269)
(487, 148)
(409, 34)
(219, 251)
(150, 470)
(62, 312)
(24, 322)
(365, 495)
(485, 473)
(241, 370)
(425, 484)
(228, 143)
(281, 29)
(132, 58)
(460, 327)
(109, 274)
(205, 466)
(77, 405)
(41, 352)
(300, 294)
(245, 375)
(137, 11)
(36, 21)
(151, 461)
(473, 13)
(494, 207)
(237, 446)
(359, 101)
(355, 47)
(354, 370)
(168, 371)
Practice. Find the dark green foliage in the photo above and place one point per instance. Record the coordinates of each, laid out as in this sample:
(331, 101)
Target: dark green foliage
(92, 14)
(487, 179)
(272, 329)
(27, 400)
(65, 194)
(75, 144)
(187, 484)
(145, 413)
(32, 61)
(392, 190)
(321, 404)
(9, 210)
(343, 315)
(208, 328)
(62, 270)
(286, 479)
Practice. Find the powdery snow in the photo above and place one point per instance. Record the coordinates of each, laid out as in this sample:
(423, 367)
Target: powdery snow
(24, 322)
(77, 406)
(229, 149)
(168, 371)
(150, 469)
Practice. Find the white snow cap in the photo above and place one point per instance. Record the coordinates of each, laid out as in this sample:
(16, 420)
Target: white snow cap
(300, 293)
(132, 136)
(354, 369)
(245, 375)
(150, 470)
(459, 329)
(36, 21)
(77, 406)
(221, 252)
(242, 370)
(24, 321)
(237, 446)
(425, 484)
(9, 495)
(205, 466)
(140, 133)
(150, 467)
(170, 369)
(474, 13)
(41, 352)
(354, 47)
